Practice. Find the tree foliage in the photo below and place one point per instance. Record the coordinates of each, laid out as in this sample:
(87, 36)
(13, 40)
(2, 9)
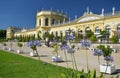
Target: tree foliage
(107, 51)
(89, 33)
(2, 34)
(114, 39)
(93, 38)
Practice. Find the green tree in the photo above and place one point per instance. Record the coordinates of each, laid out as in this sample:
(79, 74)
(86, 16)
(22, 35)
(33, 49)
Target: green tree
(2, 34)
(51, 36)
(89, 33)
(107, 51)
(114, 39)
(104, 33)
(93, 38)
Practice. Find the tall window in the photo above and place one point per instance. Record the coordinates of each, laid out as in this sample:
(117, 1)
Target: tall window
(118, 29)
(87, 29)
(53, 21)
(108, 35)
(97, 30)
(40, 22)
(107, 28)
(46, 22)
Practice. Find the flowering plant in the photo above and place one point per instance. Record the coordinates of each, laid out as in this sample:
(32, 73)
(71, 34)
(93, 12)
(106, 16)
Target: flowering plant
(108, 59)
(85, 44)
(70, 36)
(98, 52)
(33, 45)
(107, 51)
(69, 49)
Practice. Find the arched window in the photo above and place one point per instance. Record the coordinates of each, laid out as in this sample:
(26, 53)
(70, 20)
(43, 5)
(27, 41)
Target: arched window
(97, 30)
(107, 28)
(87, 29)
(46, 22)
(53, 21)
(79, 32)
(118, 27)
(40, 22)
(60, 21)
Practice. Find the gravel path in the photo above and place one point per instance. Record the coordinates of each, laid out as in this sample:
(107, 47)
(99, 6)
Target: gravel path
(80, 56)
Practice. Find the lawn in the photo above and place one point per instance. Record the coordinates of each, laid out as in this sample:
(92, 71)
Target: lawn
(16, 66)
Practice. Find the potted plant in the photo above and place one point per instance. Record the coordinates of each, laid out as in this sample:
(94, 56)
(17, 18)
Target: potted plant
(10, 49)
(98, 52)
(56, 58)
(4, 44)
(85, 43)
(108, 68)
(19, 45)
(33, 45)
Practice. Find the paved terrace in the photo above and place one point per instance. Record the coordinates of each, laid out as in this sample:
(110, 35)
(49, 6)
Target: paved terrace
(80, 56)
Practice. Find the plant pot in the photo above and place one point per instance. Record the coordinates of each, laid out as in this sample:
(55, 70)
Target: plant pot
(19, 51)
(57, 58)
(107, 69)
(33, 54)
(10, 49)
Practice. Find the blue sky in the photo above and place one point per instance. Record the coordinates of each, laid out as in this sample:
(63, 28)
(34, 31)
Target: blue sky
(22, 13)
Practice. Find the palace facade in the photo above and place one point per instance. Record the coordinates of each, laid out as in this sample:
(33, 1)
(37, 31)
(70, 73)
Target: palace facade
(58, 23)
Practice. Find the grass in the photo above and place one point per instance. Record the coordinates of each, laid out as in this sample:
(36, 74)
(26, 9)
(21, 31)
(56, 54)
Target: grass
(16, 66)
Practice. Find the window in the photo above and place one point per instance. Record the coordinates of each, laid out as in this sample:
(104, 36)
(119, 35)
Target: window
(118, 27)
(97, 30)
(53, 21)
(56, 33)
(46, 22)
(40, 22)
(107, 28)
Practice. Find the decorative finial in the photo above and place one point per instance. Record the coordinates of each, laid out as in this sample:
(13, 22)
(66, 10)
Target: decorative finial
(57, 10)
(75, 16)
(102, 12)
(42, 9)
(113, 11)
(87, 10)
(69, 20)
(62, 11)
(37, 11)
(64, 20)
(91, 12)
(51, 9)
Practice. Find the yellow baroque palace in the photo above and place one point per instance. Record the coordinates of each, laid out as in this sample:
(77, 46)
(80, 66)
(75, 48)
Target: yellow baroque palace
(58, 23)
